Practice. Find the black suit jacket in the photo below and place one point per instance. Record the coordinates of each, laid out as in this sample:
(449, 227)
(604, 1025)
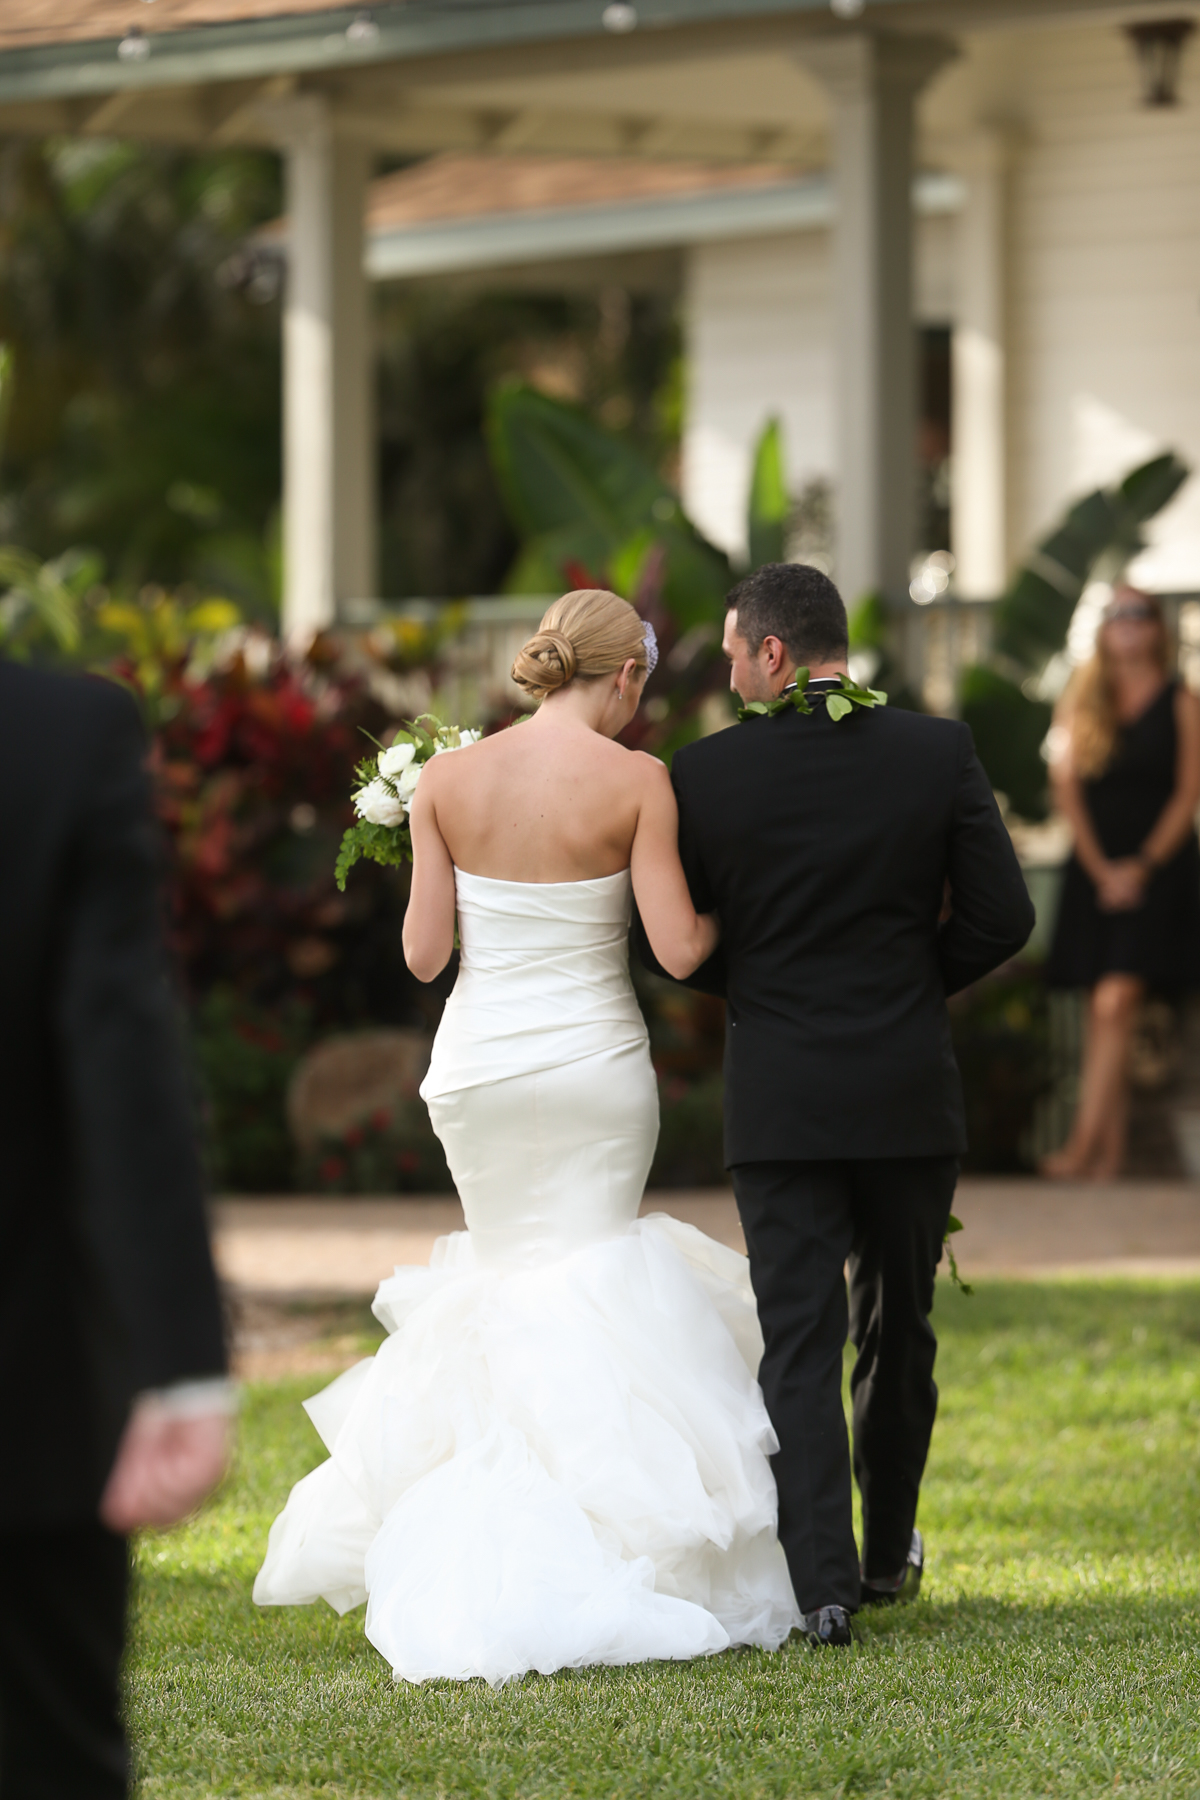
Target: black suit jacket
(825, 846)
(106, 1279)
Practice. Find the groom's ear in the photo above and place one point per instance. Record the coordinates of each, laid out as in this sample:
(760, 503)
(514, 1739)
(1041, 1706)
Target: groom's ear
(777, 653)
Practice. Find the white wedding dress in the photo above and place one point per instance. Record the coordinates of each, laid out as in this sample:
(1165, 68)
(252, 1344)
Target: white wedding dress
(559, 1454)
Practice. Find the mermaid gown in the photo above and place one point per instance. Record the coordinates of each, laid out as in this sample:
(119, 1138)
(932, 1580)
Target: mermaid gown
(559, 1455)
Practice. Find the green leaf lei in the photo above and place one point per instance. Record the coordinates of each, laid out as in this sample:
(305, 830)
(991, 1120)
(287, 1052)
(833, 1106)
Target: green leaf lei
(839, 702)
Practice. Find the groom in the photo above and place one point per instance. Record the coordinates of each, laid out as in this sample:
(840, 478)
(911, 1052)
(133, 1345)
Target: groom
(829, 847)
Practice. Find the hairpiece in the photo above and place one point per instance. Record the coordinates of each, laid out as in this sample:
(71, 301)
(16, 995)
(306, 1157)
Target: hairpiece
(650, 639)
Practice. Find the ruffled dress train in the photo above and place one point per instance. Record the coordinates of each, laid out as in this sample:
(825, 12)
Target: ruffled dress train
(559, 1455)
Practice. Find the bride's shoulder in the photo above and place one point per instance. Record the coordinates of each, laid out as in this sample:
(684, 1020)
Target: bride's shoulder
(647, 767)
(649, 779)
(637, 766)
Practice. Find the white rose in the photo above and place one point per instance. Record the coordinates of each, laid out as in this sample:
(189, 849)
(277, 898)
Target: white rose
(407, 781)
(378, 804)
(393, 762)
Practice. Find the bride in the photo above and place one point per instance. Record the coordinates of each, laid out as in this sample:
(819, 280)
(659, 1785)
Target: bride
(558, 1457)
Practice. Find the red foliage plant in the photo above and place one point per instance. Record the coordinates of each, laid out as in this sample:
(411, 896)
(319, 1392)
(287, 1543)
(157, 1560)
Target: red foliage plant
(253, 770)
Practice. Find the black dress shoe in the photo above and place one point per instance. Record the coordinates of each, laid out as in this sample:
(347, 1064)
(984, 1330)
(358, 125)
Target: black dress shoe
(828, 1625)
(886, 1590)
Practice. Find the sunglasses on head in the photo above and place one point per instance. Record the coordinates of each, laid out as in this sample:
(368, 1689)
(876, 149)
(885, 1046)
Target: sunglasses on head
(1135, 609)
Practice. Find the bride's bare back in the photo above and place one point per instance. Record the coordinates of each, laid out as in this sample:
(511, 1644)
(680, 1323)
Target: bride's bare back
(545, 801)
(552, 800)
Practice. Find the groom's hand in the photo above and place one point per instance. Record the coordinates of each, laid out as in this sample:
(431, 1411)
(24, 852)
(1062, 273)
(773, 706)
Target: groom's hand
(166, 1465)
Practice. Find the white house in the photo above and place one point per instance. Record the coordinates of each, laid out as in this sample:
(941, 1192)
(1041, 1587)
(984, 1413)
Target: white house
(1058, 241)
(1055, 230)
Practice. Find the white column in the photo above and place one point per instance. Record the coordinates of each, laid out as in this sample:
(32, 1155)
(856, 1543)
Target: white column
(328, 422)
(978, 497)
(872, 79)
(355, 527)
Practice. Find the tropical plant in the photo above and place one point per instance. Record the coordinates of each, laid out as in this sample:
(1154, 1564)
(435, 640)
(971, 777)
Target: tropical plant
(769, 505)
(59, 611)
(394, 1151)
(591, 509)
(444, 528)
(141, 410)
(253, 765)
(152, 638)
(1007, 701)
(247, 1055)
(41, 611)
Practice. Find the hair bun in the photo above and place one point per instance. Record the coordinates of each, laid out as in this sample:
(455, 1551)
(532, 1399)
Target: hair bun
(548, 661)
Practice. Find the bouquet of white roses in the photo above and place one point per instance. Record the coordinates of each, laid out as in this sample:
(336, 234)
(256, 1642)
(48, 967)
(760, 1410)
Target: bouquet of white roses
(386, 785)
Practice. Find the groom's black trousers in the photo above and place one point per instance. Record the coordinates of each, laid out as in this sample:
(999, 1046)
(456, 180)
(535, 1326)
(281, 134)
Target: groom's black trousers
(804, 1221)
(63, 1593)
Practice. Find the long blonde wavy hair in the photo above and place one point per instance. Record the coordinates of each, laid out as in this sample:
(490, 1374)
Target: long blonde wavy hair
(1090, 700)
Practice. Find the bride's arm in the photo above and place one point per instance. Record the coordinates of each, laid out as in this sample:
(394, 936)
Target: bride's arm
(429, 920)
(680, 937)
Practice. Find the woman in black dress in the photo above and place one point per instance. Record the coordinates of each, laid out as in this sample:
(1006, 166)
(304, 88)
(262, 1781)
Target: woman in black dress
(1126, 773)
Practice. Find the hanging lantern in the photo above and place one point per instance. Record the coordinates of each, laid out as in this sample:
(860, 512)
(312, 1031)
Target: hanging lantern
(1159, 46)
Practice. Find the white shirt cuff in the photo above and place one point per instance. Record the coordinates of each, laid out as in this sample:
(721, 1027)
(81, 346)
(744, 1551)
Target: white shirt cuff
(193, 1399)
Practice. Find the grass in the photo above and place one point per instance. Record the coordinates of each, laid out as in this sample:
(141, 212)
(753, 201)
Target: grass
(1056, 1649)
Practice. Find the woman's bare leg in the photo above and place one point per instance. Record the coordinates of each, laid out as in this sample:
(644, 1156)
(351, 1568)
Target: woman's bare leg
(1096, 1145)
(1109, 1159)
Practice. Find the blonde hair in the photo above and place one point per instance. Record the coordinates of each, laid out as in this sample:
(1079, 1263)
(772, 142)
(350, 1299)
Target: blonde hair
(587, 633)
(1090, 701)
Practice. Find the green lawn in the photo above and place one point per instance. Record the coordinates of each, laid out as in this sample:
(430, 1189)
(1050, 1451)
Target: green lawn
(1056, 1649)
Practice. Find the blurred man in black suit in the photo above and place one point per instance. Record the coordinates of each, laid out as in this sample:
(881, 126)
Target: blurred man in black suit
(114, 1399)
(827, 845)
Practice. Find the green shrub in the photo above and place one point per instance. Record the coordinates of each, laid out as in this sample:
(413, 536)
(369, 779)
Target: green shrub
(691, 1149)
(392, 1152)
(246, 1055)
(1001, 1042)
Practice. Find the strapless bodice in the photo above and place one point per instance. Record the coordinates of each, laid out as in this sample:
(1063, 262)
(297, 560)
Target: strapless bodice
(543, 979)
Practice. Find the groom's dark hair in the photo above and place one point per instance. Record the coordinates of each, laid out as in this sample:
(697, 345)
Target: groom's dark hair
(797, 604)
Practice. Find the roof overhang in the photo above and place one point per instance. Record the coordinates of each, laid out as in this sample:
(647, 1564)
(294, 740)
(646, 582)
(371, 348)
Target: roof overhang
(494, 75)
(318, 43)
(553, 234)
(315, 43)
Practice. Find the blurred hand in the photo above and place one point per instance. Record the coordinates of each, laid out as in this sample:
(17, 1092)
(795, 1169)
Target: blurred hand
(1122, 885)
(166, 1465)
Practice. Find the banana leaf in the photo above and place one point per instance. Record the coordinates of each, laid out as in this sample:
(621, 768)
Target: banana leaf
(1100, 534)
(41, 602)
(768, 505)
(580, 496)
(1104, 528)
(1009, 731)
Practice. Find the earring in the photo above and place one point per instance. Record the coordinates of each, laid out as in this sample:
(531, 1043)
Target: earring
(620, 693)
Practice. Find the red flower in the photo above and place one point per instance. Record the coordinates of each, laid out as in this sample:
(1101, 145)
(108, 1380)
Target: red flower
(353, 1137)
(407, 1161)
(381, 1118)
(331, 1169)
